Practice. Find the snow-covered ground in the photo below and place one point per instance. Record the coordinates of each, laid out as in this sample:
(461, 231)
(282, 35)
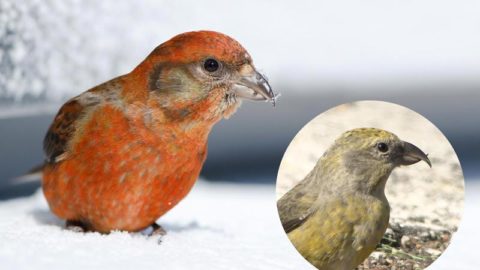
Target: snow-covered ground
(218, 226)
(463, 250)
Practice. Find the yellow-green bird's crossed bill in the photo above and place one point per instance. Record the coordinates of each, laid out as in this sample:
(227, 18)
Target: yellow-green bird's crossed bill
(337, 215)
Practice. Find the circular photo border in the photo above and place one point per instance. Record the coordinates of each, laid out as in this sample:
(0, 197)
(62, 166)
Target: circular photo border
(425, 204)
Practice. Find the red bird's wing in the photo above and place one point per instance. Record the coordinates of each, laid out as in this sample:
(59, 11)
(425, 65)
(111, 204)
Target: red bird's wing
(61, 131)
(68, 119)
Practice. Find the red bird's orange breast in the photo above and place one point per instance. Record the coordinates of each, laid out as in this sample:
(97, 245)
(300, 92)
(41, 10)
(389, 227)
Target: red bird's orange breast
(124, 173)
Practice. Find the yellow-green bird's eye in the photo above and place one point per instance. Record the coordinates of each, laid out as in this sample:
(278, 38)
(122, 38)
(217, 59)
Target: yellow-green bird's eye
(382, 147)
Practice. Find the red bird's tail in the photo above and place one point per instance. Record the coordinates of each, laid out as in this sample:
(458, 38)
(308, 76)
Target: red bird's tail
(33, 175)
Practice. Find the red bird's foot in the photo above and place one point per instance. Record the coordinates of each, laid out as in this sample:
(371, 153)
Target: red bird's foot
(75, 226)
(157, 230)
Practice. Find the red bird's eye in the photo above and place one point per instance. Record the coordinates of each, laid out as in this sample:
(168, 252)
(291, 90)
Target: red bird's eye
(211, 65)
(382, 147)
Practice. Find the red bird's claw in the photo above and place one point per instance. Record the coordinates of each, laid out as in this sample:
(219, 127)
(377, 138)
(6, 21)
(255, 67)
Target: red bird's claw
(75, 226)
(157, 230)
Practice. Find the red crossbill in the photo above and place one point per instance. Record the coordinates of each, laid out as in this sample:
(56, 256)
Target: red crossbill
(123, 153)
(338, 213)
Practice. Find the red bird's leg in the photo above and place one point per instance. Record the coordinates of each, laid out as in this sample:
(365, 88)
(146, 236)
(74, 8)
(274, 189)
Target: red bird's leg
(75, 226)
(157, 230)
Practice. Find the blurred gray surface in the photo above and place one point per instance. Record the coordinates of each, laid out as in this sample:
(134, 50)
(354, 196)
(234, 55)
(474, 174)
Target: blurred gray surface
(249, 146)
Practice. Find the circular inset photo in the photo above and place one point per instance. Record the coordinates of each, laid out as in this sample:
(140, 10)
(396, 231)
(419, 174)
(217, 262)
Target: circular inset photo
(370, 185)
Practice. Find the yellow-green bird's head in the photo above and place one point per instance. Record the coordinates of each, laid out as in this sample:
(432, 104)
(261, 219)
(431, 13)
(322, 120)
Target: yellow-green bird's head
(368, 156)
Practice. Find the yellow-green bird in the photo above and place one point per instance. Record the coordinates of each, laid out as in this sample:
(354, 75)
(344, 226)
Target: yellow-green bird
(337, 215)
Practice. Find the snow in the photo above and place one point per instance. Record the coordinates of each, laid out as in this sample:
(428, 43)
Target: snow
(218, 226)
(462, 253)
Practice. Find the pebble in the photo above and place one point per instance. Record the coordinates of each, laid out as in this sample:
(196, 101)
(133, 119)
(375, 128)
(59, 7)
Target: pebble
(405, 241)
(434, 252)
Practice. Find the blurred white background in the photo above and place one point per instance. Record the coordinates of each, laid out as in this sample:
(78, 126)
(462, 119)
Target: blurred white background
(65, 47)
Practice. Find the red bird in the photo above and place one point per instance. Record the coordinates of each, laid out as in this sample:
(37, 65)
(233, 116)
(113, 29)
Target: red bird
(123, 153)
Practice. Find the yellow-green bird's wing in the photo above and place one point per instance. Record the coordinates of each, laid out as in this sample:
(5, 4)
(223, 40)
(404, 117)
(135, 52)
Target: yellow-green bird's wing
(296, 205)
(325, 238)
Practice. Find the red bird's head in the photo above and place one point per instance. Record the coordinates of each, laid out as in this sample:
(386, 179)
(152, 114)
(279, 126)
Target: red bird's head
(202, 74)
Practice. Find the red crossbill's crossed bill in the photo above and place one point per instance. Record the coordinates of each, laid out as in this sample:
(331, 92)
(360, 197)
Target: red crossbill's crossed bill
(123, 153)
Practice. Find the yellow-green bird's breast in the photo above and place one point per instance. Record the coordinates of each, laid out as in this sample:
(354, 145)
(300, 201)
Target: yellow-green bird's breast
(342, 232)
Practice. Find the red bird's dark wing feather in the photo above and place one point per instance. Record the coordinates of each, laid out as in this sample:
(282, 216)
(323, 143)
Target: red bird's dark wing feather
(61, 131)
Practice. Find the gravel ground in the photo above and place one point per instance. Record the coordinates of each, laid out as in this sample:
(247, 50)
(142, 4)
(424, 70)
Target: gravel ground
(426, 204)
